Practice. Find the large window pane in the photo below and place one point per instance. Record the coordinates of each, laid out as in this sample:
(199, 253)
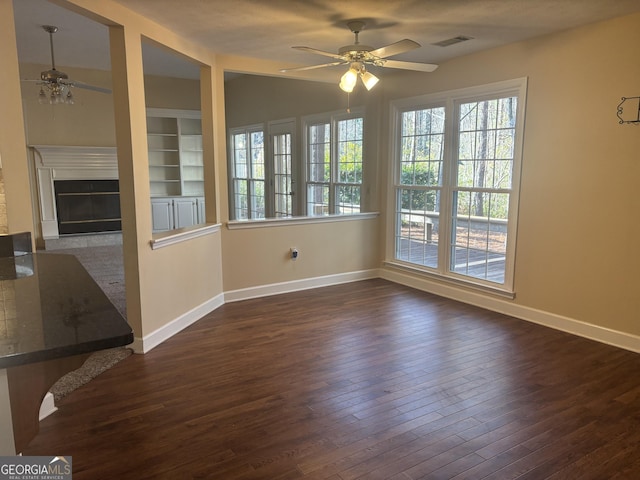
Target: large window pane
(479, 243)
(318, 199)
(257, 199)
(417, 226)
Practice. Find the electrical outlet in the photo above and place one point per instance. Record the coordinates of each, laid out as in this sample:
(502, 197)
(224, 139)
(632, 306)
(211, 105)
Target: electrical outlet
(294, 253)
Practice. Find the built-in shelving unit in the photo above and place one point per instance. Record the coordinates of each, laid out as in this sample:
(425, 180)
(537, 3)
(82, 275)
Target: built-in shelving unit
(176, 169)
(174, 139)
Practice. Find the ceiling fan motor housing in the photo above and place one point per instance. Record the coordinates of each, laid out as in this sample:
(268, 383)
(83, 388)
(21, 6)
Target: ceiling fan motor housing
(53, 76)
(355, 49)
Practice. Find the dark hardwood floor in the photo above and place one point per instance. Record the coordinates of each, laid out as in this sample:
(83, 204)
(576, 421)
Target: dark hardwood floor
(368, 380)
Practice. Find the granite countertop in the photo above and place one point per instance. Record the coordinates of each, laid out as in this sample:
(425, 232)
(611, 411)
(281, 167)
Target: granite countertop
(52, 308)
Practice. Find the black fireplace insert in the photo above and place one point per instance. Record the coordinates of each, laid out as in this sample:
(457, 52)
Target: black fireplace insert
(87, 206)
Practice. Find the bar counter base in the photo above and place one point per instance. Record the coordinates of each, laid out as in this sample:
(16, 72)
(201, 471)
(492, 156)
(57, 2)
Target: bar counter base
(28, 384)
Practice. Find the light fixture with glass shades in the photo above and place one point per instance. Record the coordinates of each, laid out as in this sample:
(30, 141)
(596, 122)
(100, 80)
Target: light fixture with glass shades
(55, 86)
(358, 56)
(57, 93)
(357, 70)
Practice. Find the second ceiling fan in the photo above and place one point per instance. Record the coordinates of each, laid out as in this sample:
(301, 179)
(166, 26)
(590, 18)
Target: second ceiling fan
(358, 56)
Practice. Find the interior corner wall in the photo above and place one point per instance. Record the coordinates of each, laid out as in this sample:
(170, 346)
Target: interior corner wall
(577, 255)
(256, 257)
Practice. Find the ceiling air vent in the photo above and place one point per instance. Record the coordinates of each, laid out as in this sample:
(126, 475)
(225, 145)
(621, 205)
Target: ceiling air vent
(452, 41)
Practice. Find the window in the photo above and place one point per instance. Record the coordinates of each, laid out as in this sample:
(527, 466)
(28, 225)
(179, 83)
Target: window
(457, 167)
(282, 171)
(263, 171)
(248, 173)
(334, 150)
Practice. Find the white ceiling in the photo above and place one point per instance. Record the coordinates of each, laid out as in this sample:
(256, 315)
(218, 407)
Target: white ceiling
(267, 29)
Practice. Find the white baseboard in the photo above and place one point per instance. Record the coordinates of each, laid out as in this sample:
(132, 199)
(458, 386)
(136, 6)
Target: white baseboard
(144, 345)
(298, 285)
(615, 338)
(600, 334)
(47, 407)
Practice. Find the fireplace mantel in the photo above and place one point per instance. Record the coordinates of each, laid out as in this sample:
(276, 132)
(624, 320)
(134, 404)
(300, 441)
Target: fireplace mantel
(53, 162)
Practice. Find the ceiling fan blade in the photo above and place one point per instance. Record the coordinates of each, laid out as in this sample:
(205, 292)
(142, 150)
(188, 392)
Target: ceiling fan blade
(418, 67)
(395, 48)
(319, 52)
(313, 67)
(88, 87)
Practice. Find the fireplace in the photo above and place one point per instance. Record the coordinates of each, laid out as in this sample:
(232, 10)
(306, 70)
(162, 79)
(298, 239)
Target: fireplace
(77, 189)
(87, 206)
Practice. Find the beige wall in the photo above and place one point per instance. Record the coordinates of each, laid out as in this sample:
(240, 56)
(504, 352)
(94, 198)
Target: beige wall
(88, 122)
(261, 256)
(13, 150)
(4, 224)
(257, 99)
(577, 246)
(176, 93)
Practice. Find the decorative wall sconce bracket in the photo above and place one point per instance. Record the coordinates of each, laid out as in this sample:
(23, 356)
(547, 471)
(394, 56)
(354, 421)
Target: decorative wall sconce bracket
(629, 113)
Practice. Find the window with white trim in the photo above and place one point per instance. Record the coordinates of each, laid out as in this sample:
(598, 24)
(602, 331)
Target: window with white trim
(334, 157)
(457, 170)
(247, 172)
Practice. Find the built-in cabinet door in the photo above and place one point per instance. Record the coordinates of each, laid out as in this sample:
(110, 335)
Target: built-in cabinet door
(162, 214)
(168, 213)
(202, 218)
(185, 212)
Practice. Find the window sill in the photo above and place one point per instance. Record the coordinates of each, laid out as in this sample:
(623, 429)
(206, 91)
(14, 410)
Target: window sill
(164, 239)
(452, 281)
(280, 222)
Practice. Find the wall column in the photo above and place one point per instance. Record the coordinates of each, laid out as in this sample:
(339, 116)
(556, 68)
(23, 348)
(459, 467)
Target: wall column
(13, 150)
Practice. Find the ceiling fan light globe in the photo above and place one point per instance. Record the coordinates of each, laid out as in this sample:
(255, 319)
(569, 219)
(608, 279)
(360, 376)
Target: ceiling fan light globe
(369, 80)
(42, 97)
(69, 98)
(345, 87)
(348, 80)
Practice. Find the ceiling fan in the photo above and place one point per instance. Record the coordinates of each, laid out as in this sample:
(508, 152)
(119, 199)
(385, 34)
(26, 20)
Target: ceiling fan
(57, 83)
(358, 56)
